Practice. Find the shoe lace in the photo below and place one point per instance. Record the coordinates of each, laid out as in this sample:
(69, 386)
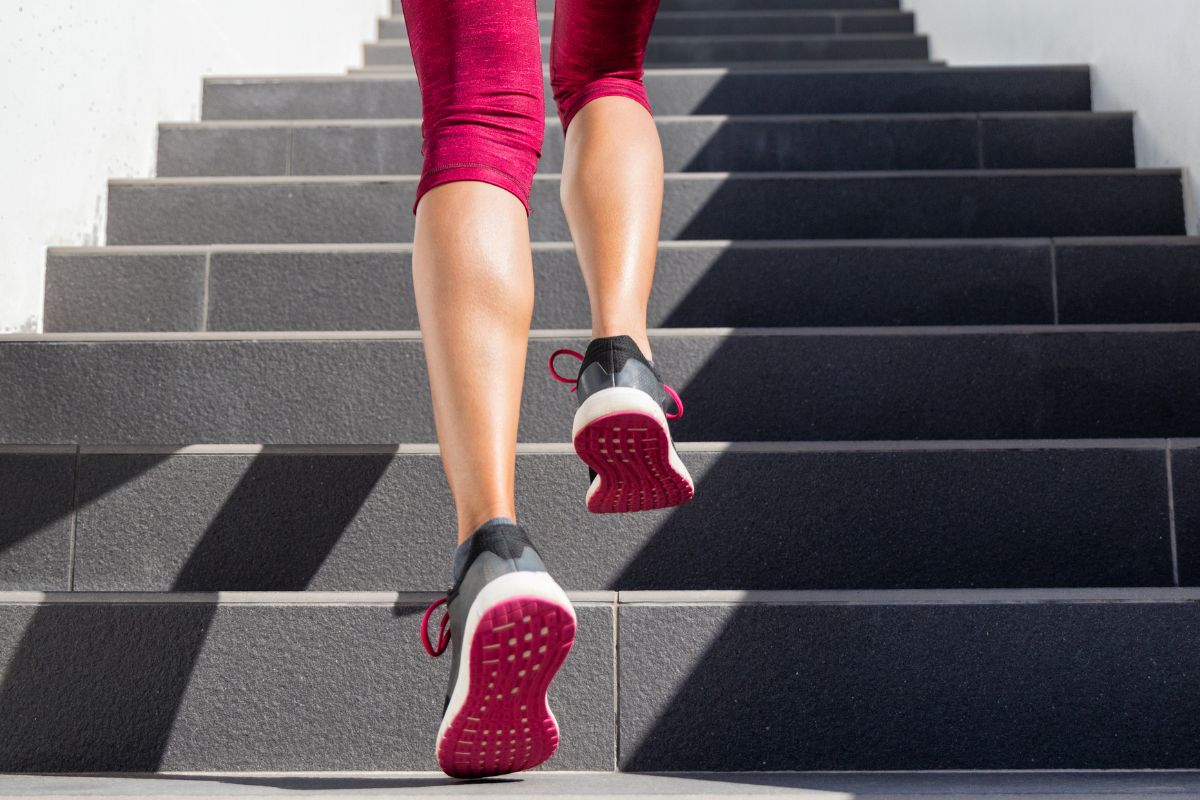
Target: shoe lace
(566, 351)
(443, 634)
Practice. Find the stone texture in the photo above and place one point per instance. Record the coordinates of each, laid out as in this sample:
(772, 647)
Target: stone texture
(1185, 473)
(823, 386)
(1148, 785)
(706, 206)
(736, 285)
(98, 291)
(186, 151)
(35, 520)
(950, 519)
(311, 291)
(155, 686)
(673, 92)
(1128, 282)
(875, 686)
(1049, 142)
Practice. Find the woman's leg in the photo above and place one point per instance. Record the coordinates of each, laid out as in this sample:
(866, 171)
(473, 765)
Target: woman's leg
(612, 192)
(478, 63)
(612, 182)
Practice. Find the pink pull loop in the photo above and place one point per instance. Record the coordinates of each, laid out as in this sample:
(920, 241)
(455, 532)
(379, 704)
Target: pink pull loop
(443, 634)
(678, 402)
(554, 372)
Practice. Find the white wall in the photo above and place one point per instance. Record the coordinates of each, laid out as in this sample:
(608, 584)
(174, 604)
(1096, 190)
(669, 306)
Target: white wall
(1144, 53)
(83, 84)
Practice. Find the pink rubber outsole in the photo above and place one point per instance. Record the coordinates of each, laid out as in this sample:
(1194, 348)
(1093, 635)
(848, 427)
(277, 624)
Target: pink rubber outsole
(630, 451)
(505, 724)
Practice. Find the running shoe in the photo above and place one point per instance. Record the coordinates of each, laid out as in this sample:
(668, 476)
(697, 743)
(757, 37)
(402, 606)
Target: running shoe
(510, 628)
(620, 429)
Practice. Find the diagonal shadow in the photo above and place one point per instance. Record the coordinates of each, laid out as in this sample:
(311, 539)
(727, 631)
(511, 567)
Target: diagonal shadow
(76, 696)
(41, 490)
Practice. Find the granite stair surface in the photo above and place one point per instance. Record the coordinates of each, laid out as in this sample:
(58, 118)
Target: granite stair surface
(938, 336)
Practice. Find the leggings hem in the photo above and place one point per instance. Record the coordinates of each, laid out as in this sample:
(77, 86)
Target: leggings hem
(483, 173)
(604, 87)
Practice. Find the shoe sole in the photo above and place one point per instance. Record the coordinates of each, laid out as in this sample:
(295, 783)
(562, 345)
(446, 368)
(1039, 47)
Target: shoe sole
(502, 721)
(622, 434)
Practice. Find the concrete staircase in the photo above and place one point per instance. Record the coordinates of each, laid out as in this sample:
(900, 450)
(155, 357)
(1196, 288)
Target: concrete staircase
(954, 524)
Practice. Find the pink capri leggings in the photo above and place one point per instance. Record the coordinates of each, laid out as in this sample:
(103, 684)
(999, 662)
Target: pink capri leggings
(479, 66)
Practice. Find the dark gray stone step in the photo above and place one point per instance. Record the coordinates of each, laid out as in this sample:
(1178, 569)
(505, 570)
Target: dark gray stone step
(690, 144)
(744, 90)
(697, 284)
(829, 384)
(878, 685)
(738, 284)
(701, 50)
(939, 515)
(941, 680)
(1144, 785)
(718, 23)
(775, 205)
(160, 683)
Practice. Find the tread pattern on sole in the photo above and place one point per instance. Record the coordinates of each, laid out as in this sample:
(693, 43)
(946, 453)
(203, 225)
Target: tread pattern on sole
(505, 724)
(630, 452)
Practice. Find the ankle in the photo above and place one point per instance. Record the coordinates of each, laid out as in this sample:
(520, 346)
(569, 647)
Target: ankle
(639, 337)
(469, 523)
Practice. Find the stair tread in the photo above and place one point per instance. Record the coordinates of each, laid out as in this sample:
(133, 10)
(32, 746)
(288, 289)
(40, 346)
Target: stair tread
(1134, 785)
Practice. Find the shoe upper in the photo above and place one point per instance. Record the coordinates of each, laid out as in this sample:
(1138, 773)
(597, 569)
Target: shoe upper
(495, 550)
(618, 361)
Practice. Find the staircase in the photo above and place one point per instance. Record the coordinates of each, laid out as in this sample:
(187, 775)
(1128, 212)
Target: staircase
(952, 524)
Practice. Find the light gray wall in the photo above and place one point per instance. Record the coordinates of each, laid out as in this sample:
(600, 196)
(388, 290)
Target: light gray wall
(83, 85)
(1144, 53)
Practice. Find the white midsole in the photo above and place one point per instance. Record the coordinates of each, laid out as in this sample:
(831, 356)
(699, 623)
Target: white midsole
(514, 584)
(625, 398)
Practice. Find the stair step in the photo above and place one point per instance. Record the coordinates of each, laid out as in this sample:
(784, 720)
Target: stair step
(1004, 514)
(743, 90)
(369, 287)
(944, 680)
(697, 284)
(146, 683)
(690, 144)
(727, 49)
(1144, 785)
(861, 384)
(962, 683)
(775, 205)
(737, 23)
(1112, 785)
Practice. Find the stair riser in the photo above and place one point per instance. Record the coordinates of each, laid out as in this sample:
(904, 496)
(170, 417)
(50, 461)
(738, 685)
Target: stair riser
(696, 92)
(797, 284)
(782, 22)
(936, 519)
(775, 387)
(689, 145)
(781, 206)
(161, 686)
(707, 50)
(695, 286)
(949, 687)
(147, 687)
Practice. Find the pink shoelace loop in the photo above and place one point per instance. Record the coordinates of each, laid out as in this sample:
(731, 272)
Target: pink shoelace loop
(566, 351)
(678, 402)
(443, 635)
